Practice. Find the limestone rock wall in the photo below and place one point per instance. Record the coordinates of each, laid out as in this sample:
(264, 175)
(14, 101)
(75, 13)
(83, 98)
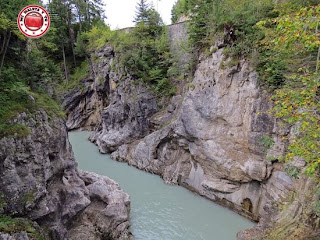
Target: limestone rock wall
(130, 104)
(209, 141)
(84, 104)
(40, 181)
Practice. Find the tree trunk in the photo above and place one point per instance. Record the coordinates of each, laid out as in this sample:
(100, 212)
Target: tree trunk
(71, 35)
(318, 57)
(72, 48)
(318, 60)
(88, 12)
(79, 18)
(3, 42)
(5, 51)
(31, 83)
(65, 65)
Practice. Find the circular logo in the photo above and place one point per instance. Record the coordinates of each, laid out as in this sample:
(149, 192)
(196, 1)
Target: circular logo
(33, 21)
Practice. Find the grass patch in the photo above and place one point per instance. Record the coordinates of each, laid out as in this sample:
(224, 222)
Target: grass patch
(28, 197)
(14, 130)
(79, 74)
(266, 142)
(293, 171)
(232, 63)
(15, 98)
(51, 107)
(12, 225)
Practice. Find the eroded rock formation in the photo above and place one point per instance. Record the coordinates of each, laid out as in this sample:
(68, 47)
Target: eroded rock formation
(84, 104)
(40, 181)
(209, 139)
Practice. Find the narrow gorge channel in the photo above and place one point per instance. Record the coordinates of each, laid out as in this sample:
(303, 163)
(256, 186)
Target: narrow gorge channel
(202, 127)
(160, 211)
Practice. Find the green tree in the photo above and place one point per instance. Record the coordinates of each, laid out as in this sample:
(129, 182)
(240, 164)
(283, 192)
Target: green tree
(298, 101)
(199, 27)
(8, 17)
(30, 68)
(142, 12)
(73, 17)
(180, 8)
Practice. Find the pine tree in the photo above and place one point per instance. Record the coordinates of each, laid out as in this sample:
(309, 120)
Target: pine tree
(199, 21)
(142, 12)
(180, 8)
(8, 27)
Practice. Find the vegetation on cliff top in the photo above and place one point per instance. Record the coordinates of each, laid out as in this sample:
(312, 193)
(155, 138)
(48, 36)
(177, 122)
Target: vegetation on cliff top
(282, 40)
(295, 37)
(210, 19)
(143, 52)
(30, 69)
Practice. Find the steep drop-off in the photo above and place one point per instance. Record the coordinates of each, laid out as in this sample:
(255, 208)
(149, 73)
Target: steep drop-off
(209, 139)
(84, 105)
(40, 181)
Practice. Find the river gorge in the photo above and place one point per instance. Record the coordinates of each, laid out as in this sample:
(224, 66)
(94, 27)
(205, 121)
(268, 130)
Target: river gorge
(160, 211)
(209, 138)
(148, 137)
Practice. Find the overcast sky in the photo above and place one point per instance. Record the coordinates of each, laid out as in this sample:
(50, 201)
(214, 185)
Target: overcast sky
(120, 13)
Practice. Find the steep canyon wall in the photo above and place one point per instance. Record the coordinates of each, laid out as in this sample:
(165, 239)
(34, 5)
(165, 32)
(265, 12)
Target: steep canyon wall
(40, 181)
(207, 139)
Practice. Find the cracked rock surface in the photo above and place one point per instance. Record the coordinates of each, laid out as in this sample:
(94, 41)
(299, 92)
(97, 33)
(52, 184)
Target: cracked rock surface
(40, 181)
(209, 139)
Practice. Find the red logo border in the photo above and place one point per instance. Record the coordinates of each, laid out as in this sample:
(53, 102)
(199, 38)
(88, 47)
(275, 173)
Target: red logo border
(32, 36)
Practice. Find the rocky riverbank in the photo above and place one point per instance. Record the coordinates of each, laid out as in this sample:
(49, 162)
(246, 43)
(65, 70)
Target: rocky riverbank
(40, 182)
(212, 138)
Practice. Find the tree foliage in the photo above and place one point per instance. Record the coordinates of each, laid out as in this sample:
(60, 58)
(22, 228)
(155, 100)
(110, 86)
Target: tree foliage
(180, 8)
(212, 18)
(142, 14)
(300, 107)
(144, 52)
(147, 55)
(298, 101)
(31, 68)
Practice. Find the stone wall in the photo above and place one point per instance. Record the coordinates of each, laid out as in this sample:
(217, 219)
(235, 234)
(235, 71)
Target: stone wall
(178, 35)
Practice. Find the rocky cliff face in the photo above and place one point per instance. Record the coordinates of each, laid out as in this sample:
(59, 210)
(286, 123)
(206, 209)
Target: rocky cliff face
(207, 140)
(84, 104)
(210, 140)
(40, 181)
(109, 86)
(126, 117)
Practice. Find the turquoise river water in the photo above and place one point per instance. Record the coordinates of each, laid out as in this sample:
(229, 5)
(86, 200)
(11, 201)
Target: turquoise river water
(160, 211)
